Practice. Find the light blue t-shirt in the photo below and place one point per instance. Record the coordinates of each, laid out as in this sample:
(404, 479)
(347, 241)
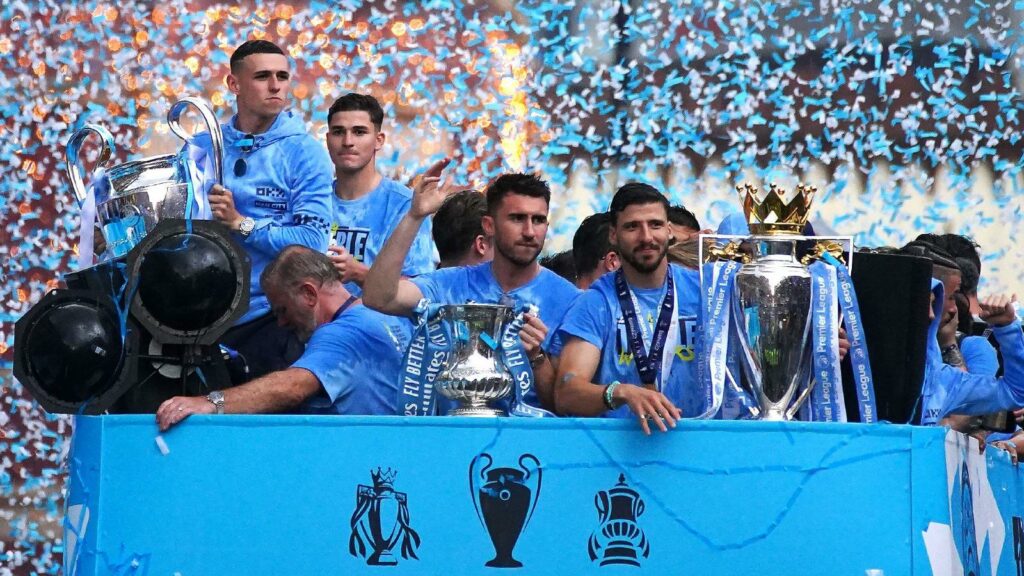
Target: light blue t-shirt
(363, 225)
(596, 318)
(980, 357)
(548, 291)
(357, 358)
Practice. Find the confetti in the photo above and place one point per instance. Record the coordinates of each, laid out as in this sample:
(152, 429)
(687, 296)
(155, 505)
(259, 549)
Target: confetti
(907, 116)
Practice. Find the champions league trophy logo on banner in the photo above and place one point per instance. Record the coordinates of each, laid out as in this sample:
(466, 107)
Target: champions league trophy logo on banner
(505, 499)
(619, 539)
(472, 355)
(381, 518)
(131, 198)
(784, 313)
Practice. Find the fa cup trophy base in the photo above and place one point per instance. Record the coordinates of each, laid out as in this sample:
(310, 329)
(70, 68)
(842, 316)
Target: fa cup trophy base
(476, 412)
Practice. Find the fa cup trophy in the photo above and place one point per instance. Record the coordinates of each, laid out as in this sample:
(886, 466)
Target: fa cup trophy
(475, 375)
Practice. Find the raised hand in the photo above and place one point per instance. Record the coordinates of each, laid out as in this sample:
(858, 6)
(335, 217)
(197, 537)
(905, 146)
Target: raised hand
(427, 196)
(998, 310)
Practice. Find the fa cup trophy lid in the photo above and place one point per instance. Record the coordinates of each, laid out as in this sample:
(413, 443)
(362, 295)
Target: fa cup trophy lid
(774, 215)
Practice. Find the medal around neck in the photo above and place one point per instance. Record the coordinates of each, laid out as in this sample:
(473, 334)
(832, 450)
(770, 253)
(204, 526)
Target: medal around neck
(131, 198)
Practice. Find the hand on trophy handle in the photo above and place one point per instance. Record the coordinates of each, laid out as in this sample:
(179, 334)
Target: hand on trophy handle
(222, 206)
(649, 405)
(844, 344)
(532, 334)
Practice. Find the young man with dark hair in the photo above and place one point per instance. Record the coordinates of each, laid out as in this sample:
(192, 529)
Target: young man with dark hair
(459, 232)
(276, 191)
(352, 356)
(367, 206)
(517, 221)
(629, 345)
(592, 251)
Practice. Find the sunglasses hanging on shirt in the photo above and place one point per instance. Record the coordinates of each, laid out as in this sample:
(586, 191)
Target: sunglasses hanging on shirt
(246, 145)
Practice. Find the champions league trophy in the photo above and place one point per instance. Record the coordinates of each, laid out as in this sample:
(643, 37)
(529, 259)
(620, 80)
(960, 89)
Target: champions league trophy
(475, 375)
(784, 313)
(504, 502)
(133, 197)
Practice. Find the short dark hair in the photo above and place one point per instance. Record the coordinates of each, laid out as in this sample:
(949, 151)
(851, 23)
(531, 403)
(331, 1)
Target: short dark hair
(250, 47)
(590, 243)
(635, 193)
(965, 251)
(296, 264)
(943, 265)
(353, 102)
(516, 183)
(457, 223)
(561, 264)
(680, 216)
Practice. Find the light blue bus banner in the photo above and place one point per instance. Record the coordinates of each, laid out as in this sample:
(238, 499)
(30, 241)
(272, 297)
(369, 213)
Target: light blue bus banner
(347, 495)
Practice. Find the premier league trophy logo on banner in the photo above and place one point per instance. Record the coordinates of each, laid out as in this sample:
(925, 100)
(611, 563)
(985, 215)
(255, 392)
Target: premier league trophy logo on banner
(505, 499)
(783, 313)
(131, 198)
(619, 539)
(381, 519)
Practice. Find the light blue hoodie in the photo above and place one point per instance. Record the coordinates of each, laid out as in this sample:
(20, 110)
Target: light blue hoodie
(948, 390)
(286, 189)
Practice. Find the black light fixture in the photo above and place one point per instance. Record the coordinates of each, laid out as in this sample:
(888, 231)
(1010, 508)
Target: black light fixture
(79, 350)
(189, 281)
(71, 351)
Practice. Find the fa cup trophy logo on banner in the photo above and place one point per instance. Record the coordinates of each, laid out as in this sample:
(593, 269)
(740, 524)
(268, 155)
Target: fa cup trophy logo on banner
(784, 312)
(505, 499)
(619, 539)
(381, 519)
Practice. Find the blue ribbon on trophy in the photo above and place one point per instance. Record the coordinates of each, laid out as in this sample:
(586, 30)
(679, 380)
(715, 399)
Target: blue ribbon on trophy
(715, 300)
(200, 175)
(514, 357)
(826, 404)
(858, 346)
(424, 359)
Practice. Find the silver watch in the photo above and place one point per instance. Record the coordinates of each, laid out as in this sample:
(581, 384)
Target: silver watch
(246, 226)
(217, 399)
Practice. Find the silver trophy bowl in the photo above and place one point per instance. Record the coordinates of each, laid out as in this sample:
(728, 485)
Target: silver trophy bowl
(771, 308)
(140, 193)
(475, 375)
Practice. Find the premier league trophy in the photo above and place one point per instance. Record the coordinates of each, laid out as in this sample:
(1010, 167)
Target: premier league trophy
(136, 195)
(381, 519)
(772, 303)
(475, 374)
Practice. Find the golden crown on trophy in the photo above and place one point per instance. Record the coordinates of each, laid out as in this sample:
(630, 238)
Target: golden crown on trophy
(774, 215)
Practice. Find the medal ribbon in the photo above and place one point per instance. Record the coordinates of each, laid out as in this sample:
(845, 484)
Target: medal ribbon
(648, 365)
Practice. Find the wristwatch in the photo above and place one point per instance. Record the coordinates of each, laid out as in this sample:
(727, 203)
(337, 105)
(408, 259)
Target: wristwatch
(538, 358)
(217, 399)
(246, 226)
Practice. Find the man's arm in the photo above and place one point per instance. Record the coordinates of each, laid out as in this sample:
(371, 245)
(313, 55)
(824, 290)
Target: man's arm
(311, 206)
(384, 289)
(576, 394)
(275, 392)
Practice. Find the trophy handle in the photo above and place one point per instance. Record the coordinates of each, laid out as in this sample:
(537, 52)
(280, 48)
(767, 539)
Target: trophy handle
(216, 137)
(531, 472)
(603, 504)
(74, 169)
(477, 469)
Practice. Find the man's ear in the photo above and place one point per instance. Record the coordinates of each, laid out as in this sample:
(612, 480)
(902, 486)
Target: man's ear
(308, 293)
(480, 245)
(613, 238)
(611, 262)
(487, 223)
(232, 83)
(381, 137)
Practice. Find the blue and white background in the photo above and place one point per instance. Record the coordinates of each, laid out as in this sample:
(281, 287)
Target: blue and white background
(905, 113)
